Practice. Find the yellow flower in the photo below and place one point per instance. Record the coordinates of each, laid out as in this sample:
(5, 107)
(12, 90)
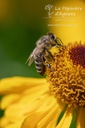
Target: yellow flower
(21, 96)
(54, 102)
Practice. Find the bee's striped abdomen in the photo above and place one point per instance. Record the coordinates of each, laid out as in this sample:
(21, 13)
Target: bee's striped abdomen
(40, 67)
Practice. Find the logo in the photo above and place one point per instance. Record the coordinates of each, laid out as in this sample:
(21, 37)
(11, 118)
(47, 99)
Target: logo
(49, 8)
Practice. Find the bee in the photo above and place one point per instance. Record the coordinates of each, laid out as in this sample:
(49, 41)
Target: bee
(41, 52)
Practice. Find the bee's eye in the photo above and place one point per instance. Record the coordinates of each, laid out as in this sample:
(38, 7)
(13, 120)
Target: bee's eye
(51, 35)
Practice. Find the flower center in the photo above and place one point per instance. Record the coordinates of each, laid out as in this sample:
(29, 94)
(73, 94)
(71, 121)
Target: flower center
(67, 75)
(77, 55)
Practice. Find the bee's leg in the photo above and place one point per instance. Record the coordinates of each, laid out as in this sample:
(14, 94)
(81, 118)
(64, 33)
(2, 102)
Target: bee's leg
(49, 53)
(48, 65)
(47, 57)
(44, 61)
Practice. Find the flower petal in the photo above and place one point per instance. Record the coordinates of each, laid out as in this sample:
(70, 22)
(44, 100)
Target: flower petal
(81, 118)
(3, 122)
(8, 99)
(45, 114)
(50, 119)
(19, 105)
(66, 119)
(14, 125)
(18, 84)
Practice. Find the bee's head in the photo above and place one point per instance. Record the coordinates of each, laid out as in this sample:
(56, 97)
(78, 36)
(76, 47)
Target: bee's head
(55, 40)
(51, 35)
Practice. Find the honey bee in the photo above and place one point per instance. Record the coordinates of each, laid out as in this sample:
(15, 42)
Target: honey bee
(41, 52)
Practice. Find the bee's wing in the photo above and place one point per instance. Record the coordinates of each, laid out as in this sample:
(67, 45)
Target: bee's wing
(31, 58)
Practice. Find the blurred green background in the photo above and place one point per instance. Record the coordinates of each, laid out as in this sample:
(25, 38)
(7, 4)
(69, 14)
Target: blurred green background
(21, 24)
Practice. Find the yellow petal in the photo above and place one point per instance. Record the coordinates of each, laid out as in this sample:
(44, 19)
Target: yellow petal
(14, 125)
(44, 112)
(35, 93)
(66, 119)
(4, 122)
(26, 103)
(29, 94)
(18, 84)
(81, 118)
(50, 119)
(8, 99)
(15, 112)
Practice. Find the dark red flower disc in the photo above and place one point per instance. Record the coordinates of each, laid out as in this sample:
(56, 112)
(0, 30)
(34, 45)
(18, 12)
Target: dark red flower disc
(77, 55)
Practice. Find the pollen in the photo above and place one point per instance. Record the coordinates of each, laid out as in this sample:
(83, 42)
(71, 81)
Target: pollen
(67, 75)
